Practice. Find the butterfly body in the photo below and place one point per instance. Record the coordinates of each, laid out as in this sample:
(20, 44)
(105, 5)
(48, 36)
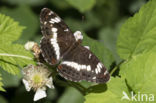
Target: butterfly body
(60, 44)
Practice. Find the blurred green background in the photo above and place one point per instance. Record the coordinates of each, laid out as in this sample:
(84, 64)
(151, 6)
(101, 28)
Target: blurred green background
(99, 19)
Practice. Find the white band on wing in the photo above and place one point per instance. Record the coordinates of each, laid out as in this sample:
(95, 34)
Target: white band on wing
(87, 47)
(54, 43)
(77, 66)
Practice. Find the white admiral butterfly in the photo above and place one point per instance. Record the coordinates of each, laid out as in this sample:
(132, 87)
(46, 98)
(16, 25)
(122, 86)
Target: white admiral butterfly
(60, 46)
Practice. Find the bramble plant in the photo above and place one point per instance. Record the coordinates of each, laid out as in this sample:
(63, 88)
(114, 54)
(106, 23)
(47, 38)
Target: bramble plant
(135, 45)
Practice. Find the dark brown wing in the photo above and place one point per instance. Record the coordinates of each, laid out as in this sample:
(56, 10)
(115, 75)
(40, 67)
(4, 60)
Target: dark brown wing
(57, 37)
(81, 64)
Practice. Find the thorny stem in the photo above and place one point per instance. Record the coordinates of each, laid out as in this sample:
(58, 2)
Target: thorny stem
(13, 55)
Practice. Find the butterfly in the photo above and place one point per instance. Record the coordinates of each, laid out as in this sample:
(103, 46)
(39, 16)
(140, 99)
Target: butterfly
(60, 46)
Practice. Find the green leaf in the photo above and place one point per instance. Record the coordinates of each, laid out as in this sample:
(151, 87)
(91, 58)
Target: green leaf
(71, 95)
(14, 56)
(99, 50)
(9, 80)
(25, 16)
(138, 34)
(113, 94)
(82, 5)
(9, 29)
(1, 84)
(140, 73)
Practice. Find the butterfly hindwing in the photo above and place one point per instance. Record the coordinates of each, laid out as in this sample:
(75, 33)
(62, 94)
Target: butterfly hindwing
(57, 37)
(81, 64)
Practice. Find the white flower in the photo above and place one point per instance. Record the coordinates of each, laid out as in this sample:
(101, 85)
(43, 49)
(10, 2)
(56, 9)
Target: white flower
(37, 78)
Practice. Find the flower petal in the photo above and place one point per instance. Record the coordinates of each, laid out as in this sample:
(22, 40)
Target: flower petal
(40, 93)
(26, 84)
(50, 83)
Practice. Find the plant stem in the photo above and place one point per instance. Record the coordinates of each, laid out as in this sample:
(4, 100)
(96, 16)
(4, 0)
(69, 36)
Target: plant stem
(116, 67)
(113, 70)
(13, 55)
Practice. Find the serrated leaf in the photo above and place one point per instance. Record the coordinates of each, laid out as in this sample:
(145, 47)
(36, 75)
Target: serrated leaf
(71, 95)
(82, 5)
(99, 50)
(14, 56)
(25, 16)
(140, 73)
(9, 29)
(138, 34)
(113, 94)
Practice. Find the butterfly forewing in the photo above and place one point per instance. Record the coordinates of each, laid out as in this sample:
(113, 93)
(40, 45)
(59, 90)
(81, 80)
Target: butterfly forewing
(57, 37)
